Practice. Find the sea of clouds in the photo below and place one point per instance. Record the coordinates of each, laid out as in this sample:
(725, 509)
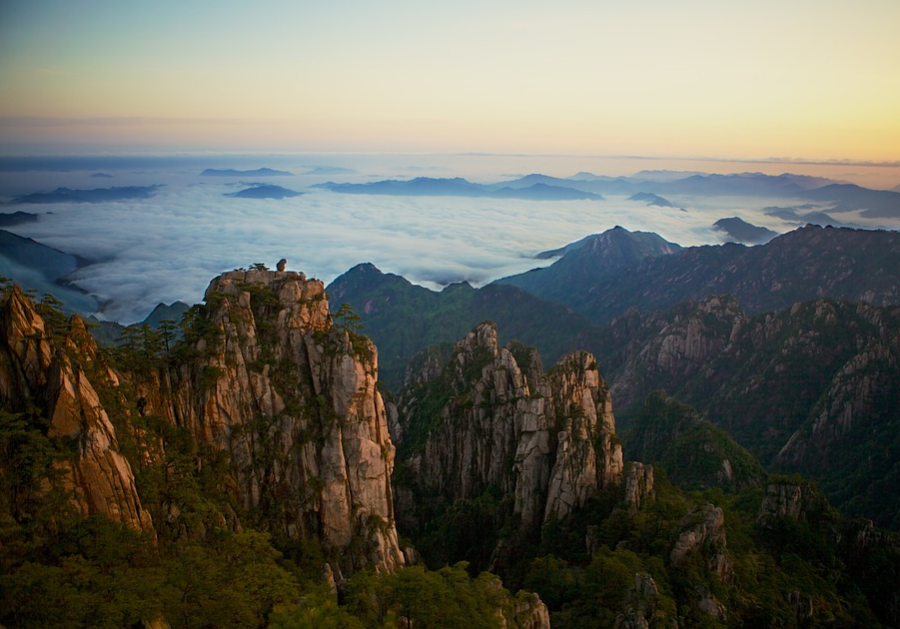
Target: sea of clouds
(169, 247)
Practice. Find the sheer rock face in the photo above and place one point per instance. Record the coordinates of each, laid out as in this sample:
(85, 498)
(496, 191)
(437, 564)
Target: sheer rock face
(26, 350)
(850, 405)
(483, 421)
(640, 604)
(528, 612)
(703, 530)
(664, 349)
(294, 400)
(790, 501)
(638, 485)
(269, 379)
(32, 371)
(588, 455)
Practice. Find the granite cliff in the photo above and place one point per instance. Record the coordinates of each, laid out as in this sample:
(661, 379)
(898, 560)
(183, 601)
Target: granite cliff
(38, 373)
(265, 378)
(489, 422)
(811, 388)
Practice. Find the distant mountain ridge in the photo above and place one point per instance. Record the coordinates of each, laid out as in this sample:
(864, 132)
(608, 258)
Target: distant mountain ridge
(231, 172)
(740, 230)
(264, 191)
(44, 269)
(590, 259)
(459, 187)
(650, 187)
(403, 318)
(804, 264)
(96, 195)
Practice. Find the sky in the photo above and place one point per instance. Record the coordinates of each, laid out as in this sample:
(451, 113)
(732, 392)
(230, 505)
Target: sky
(814, 80)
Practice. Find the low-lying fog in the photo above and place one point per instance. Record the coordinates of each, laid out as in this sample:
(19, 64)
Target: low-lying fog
(168, 247)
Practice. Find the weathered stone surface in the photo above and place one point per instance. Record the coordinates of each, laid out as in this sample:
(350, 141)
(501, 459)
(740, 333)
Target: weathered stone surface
(529, 612)
(546, 440)
(33, 371)
(588, 456)
(270, 379)
(703, 530)
(640, 606)
(26, 349)
(292, 388)
(638, 485)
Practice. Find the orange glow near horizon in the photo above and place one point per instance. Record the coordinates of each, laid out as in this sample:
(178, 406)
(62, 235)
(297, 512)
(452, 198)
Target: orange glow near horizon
(813, 80)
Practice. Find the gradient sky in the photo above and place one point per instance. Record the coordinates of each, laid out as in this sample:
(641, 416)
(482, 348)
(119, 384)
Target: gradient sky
(797, 79)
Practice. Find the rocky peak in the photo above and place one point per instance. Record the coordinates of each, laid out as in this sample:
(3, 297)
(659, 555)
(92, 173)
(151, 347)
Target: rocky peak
(547, 441)
(290, 390)
(638, 485)
(640, 604)
(26, 348)
(34, 371)
(266, 374)
(790, 500)
(589, 457)
(703, 530)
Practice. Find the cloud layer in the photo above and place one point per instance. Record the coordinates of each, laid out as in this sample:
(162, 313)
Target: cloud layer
(168, 247)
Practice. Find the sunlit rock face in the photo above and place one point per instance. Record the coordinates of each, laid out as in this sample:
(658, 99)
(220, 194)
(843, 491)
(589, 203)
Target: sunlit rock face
(293, 397)
(49, 375)
(491, 418)
(266, 376)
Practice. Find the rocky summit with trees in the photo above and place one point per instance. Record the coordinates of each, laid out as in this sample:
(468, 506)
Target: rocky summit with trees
(247, 468)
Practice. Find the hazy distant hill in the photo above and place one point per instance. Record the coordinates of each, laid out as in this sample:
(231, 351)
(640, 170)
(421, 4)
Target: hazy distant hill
(743, 184)
(97, 195)
(588, 261)
(528, 181)
(740, 230)
(265, 192)
(458, 187)
(40, 267)
(230, 172)
(849, 197)
(651, 199)
(793, 214)
(17, 218)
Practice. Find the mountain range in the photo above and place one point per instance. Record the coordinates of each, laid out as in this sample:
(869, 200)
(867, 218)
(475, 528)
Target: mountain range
(719, 352)
(95, 195)
(638, 435)
(231, 172)
(43, 269)
(244, 472)
(264, 191)
(458, 187)
(648, 187)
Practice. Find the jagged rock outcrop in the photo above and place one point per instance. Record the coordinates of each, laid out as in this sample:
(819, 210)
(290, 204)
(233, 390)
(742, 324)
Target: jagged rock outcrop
(638, 485)
(292, 396)
(703, 530)
(660, 350)
(36, 370)
(640, 605)
(267, 376)
(528, 612)
(492, 419)
(793, 501)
